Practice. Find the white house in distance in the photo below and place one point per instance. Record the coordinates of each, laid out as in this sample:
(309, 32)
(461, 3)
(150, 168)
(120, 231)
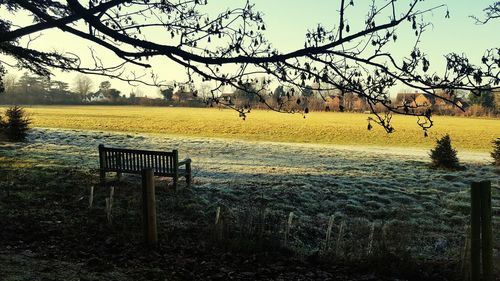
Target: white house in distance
(94, 98)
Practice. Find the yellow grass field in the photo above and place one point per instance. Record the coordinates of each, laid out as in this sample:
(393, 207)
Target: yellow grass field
(318, 127)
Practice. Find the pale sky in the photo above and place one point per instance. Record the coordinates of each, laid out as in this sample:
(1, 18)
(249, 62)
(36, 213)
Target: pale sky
(288, 20)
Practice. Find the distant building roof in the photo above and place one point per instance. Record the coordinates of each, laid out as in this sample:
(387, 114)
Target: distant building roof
(412, 97)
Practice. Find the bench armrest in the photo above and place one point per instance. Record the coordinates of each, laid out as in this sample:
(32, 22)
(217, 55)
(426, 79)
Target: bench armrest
(184, 162)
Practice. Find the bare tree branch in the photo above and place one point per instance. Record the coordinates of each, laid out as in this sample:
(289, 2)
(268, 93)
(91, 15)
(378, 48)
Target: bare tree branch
(350, 62)
(490, 13)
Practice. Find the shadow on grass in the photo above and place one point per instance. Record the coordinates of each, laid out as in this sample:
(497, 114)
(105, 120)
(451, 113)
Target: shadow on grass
(45, 215)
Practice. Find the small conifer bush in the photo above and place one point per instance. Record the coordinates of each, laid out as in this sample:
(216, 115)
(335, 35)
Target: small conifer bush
(443, 155)
(496, 152)
(15, 124)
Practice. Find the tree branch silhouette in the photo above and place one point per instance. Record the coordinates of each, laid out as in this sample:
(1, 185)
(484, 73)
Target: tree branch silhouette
(491, 12)
(231, 49)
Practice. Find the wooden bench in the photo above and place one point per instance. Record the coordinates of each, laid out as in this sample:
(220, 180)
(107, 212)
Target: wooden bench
(132, 161)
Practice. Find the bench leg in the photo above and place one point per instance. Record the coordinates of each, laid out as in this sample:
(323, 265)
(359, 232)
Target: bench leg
(175, 182)
(102, 177)
(188, 175)
(118, 176)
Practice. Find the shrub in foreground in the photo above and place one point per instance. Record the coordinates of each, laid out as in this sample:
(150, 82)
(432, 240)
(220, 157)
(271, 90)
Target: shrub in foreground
(496, 152)
(15, 124)
(443, 155)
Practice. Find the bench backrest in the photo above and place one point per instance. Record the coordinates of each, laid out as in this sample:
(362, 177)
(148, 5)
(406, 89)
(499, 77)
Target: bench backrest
(133, 161)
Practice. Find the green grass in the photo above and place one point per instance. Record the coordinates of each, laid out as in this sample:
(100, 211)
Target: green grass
(318, 127)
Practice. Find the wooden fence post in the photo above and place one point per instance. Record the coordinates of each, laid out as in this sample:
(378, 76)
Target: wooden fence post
(481, 231)
(475, 231)
(149, 207)
(218, 224)
(339, 244)
(465, 256)
(329, 233)
(288, 226)
(486, 231)
(370, 240)
(91, 197)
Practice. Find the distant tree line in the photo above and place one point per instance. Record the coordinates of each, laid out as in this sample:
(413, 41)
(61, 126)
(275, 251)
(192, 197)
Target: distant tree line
(486, 104)
(33, 89)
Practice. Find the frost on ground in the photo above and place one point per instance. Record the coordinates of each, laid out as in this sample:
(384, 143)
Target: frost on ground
(377, 198)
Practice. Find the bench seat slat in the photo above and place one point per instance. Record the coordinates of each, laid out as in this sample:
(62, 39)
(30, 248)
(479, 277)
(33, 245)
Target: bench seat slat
(109, 158)
(170, 160)
(165, 167)
(137, 163)
(148, 156)
(141, 165)
(138, 159)
(113, 160)
(134, 160)
(153, 163)
(126, 164)
(164, 164)
(123, 161)
(160, 160)
(129, 162)
(143, 159)
(157, 167)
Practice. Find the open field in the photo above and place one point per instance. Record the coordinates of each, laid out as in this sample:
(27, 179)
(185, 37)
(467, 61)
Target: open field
(318, 127)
